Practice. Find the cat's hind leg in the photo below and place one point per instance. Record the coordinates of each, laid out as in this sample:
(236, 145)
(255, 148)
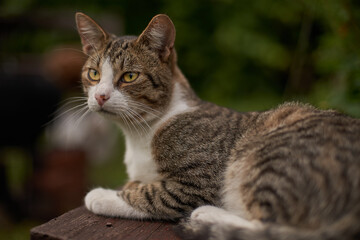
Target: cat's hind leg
(215, 215)
(209, 222)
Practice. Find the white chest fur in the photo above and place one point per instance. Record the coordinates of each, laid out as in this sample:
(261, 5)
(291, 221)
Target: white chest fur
(139, 161)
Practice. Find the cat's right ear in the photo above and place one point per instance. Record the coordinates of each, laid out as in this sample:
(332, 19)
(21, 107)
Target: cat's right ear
(91, 34)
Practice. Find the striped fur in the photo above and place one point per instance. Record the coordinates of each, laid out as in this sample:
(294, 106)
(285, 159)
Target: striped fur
(292, 172)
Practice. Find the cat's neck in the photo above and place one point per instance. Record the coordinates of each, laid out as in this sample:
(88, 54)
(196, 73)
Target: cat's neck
(188, 93)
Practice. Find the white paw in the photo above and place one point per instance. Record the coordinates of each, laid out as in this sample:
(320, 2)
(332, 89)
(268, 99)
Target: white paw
(107, 202)
(211, 214)
(102, 201)
(207, 214)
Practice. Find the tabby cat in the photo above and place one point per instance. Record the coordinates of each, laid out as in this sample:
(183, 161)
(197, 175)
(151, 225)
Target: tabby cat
(292, 172)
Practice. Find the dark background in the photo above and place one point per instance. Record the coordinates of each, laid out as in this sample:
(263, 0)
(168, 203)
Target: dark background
(247, 55)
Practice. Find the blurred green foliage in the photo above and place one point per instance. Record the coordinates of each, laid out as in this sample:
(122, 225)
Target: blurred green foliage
(249, 55)
(19, 231)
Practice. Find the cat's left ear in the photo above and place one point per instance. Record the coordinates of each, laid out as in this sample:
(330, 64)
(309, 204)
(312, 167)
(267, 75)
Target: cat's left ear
(93, 37)
(159, 35)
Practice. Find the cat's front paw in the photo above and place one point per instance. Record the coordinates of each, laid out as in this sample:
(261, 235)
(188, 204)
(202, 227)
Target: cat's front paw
(102, 201)
(110, 203)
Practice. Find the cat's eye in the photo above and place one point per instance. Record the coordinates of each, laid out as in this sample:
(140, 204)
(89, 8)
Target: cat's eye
(93, 75)
(129, 77)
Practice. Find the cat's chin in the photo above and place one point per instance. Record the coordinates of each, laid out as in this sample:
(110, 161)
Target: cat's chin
(111, 115)
(108, 114)
(103, 111)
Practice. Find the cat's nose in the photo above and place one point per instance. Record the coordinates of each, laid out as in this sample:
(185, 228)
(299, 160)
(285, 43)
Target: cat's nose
(101, 98)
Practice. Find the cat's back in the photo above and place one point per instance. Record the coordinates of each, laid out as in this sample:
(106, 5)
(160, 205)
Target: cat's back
(304, 124)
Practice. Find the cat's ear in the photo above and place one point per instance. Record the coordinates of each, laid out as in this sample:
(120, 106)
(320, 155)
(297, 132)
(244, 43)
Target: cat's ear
(91, 34)
(159, 35)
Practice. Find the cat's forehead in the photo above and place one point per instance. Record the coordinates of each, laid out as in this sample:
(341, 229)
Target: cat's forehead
(118, 47)
(124, 54)
(118, 51)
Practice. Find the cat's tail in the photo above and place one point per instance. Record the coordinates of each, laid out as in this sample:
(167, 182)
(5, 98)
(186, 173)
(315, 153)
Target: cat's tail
(347, 228)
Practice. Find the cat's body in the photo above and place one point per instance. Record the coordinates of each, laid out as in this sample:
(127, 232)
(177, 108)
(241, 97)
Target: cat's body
(288, 173)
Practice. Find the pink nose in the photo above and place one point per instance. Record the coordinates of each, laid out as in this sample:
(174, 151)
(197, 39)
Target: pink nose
(101, 98)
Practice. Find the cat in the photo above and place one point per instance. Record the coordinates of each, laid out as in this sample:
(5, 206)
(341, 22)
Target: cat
(292, 172)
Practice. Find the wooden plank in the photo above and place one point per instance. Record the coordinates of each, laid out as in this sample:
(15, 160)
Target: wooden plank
(82, 224)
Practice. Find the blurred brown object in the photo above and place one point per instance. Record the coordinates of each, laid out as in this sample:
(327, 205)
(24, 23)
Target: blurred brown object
(63, 66)
(60, 184)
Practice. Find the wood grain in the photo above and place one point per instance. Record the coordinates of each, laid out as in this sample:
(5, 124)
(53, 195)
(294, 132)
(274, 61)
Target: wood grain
(82, 224)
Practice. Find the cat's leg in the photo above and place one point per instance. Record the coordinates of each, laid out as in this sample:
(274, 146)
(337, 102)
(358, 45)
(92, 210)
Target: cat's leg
(157, 200)
(215, 215)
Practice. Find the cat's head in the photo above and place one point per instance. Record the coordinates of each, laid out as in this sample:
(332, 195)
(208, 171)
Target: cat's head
(128, 78)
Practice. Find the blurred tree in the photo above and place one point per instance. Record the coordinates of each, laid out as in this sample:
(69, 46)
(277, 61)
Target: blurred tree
(242, 54)
(239, 52)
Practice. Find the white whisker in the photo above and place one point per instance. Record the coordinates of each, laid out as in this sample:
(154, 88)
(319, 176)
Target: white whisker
(140, 118)
(143, 110)
(61, 112)
(78, 121)
(127, 116)
(144, 106)
(76, 114)
(71, 109)
(140, 107)
(125, 121)
(64, 104)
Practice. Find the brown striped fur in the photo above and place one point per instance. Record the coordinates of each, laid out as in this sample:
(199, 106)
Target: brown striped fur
(295, 169)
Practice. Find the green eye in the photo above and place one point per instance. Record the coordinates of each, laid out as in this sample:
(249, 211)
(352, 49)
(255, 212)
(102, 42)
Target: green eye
(93, 75)
(129, 77)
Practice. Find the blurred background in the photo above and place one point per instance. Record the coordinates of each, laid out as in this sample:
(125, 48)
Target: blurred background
(247, 55)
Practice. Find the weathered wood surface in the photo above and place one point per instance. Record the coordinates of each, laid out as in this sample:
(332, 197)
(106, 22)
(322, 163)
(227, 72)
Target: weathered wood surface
(81, 224)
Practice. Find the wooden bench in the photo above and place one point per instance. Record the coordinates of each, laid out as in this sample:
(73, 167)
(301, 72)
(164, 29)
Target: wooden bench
(81, 224)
